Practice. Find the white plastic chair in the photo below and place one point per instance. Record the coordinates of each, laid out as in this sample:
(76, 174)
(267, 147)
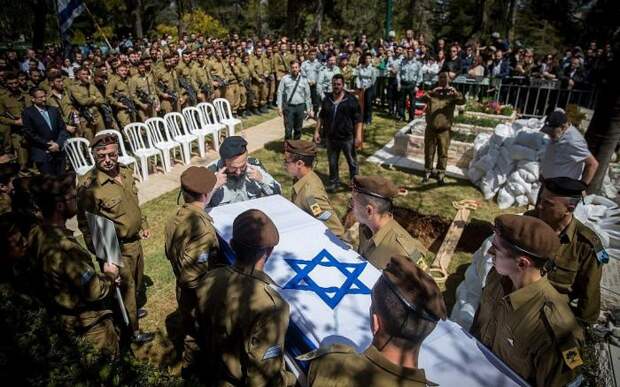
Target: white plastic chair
(79, 155)
(225, 115)
(180, 133)
(141, 149)
(123, 157)
(196, 127)
(208, 115)
(159, 135)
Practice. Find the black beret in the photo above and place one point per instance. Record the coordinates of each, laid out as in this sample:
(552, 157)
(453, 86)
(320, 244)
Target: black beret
(565, 186)
(233, 146)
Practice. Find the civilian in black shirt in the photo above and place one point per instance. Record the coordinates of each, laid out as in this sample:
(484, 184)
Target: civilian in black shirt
(341, 118)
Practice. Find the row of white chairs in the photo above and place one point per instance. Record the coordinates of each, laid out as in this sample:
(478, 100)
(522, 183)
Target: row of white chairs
(164, 136)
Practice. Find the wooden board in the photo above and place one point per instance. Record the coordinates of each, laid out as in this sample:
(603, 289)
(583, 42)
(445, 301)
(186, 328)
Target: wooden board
(444, 255)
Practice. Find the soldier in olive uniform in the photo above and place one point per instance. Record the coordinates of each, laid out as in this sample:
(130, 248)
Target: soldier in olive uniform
(281, 66)
(348, 73)
(580, 258)
(380, 236)
(234, 88)
(199, 71)
(87, 99)
(12, 103)
(406, 306)
(75, 291)
(186, 80)
(244, 75)
(191, 246)
(262, 80)
(117, 89)
(59, 98)
(521, 317)
(171, 96)
(8, 172)
(144, 92)
(308, 191)
(242, 319)
(240, 177)
(222, 75)
(440, 105)
(268, 64)
(110, 191)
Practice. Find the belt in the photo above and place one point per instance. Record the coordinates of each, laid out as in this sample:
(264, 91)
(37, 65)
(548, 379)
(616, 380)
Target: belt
(129, 240)
(295, 104)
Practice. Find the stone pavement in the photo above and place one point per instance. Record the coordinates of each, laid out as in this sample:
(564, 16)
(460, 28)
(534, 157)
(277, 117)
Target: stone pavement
(160, 183)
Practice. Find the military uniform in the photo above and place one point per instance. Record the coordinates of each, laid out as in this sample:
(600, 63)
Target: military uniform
(439, 116)
(68, 112)
(341, 365)
(184, 74)
(324, 84)
(144, 93)
(531, 329)
(391, 239)
(311, 70)
(5, 203)
(116, 88)
(294, 102)
(190, 244)
(75, 290)
(87, 99)
(243, 321)
(118, 201)
(222, 73)
(348, 73)
(309, 195)
(408, 79)
(12, 105)
(168, 82)
(243, 188)
(280, 65)
(204, 83)
(270, 82)
(243, 74)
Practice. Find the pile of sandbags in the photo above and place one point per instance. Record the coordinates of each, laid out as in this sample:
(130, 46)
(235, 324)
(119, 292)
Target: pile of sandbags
(506, 163)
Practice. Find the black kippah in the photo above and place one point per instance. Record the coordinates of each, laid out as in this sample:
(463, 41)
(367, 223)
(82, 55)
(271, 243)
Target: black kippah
(565, 186)
(233, 146)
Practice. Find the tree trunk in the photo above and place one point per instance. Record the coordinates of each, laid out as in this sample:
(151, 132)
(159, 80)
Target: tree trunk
(39, 8)
(320, 10)
(603, 134)
(135, 8)
(180, 13)
(512, 19)
(292, 13)
(412, 13)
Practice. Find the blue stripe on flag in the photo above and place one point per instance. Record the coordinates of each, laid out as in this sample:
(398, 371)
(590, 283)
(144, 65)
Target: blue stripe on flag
(68, 10)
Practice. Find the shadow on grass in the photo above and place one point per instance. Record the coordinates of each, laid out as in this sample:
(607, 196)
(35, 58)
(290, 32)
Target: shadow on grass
(452, 282)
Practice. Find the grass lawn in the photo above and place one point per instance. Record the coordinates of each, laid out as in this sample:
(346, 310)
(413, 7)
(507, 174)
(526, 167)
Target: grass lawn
(428, 199)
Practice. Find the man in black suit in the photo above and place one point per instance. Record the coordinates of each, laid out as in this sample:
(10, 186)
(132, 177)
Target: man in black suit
(45, 129)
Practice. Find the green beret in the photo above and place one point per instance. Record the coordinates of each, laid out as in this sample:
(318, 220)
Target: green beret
(300, 147)
(377, 186)
(198, 180)
(529, 235)
(254, 229)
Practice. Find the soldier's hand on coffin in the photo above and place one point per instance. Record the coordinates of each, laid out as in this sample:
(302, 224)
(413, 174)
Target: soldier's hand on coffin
(221, 178)
(145, 234)
(111, 269)
(254, 173)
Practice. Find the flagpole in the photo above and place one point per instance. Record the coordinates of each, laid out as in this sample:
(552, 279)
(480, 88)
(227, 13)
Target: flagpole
(97, 25)
(62, 38)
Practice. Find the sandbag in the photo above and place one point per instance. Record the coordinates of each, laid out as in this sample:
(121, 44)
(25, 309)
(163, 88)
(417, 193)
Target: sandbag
(522, 200)
(530, 139)
(532, 167)
(520, 152)
(504, 199)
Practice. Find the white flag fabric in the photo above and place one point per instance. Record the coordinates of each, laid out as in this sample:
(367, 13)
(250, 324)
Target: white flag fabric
(104, 239)
(328, 285)
(68, 10)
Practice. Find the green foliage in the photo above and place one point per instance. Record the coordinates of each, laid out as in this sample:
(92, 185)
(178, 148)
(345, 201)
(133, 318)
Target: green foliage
(37, 352)
(488, 106)
(198, 21)
(476, 121)
(166, 29)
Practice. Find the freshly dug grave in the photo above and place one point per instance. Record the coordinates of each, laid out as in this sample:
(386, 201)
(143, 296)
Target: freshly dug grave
(431, 230)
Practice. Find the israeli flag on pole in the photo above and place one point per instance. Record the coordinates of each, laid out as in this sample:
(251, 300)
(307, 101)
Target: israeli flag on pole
(68, 10)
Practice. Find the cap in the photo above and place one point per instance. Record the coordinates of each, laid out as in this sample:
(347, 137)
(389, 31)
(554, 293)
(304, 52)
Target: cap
(376, 186)
(415, 288)
(555, 119)
(233, 146)
(527, 234)
(565, 186)
(103, 139)
(254, 229)
(300, 147)
(199, 180)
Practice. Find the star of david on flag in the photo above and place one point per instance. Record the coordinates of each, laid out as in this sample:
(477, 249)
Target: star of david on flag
(331, 295)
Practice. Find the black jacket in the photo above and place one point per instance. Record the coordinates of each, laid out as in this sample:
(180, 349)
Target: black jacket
(339, 120)
(39, 133)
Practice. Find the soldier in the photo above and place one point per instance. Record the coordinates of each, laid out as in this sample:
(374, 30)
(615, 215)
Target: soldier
(12, 103)
(234, 88)
(244, 75)
(118, 96)
(144, 92)
(441, 102)
(308, 191)
(521, 317)
(191, 246)
(294, 101)
(221, 74)
(8, 172)
(59, 98)
(365, 79)
(310, 68)
(110, 191)
(268, 65)
(242, 319)
(186, 81)
(87, 98)
(580, 258)
(280, 65)
(73, 288)
(406, 306)
(200, 73)
(380, 236)
(408, 79)
(348, 73)
(171, 96)
(240, 177)
(324, 84)
(260, 81)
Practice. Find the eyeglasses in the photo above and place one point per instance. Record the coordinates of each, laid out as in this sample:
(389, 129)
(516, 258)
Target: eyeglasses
(113, 155)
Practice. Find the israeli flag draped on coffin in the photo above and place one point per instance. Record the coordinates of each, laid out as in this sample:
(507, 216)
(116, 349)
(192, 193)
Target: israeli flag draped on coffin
(328, 286)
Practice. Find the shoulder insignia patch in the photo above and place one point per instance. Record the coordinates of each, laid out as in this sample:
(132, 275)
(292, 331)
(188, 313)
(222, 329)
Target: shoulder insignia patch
(602, 256)
(316, 209)
(86, 277)
(572, 358)
(272, 352)
(203, 257)
(325, 215)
